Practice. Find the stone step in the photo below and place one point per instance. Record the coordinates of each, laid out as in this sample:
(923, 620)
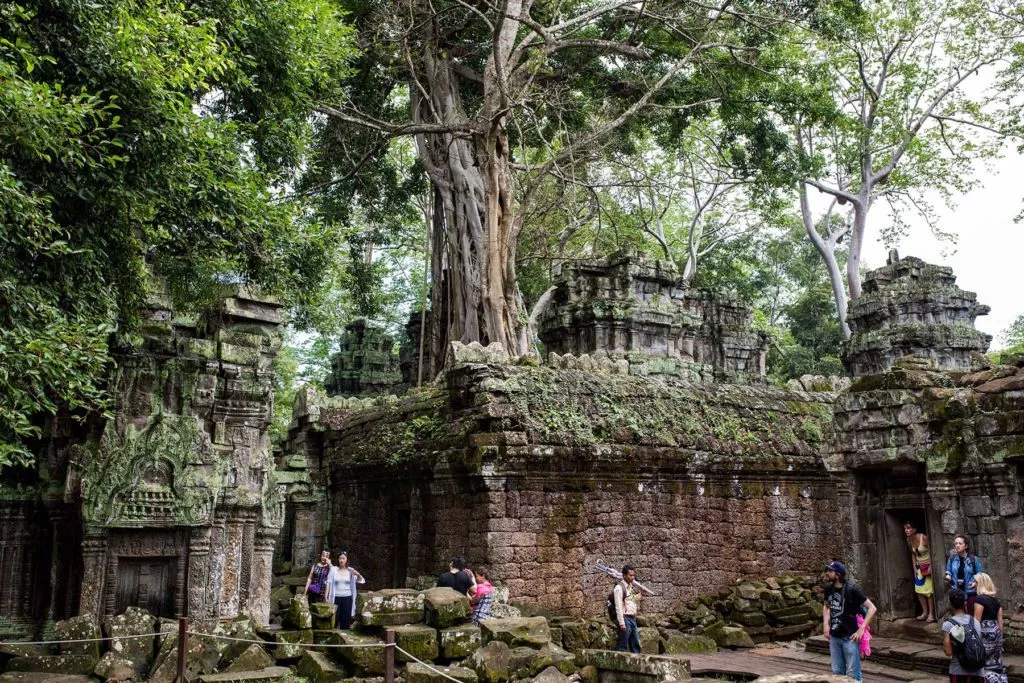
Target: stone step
(271, 673)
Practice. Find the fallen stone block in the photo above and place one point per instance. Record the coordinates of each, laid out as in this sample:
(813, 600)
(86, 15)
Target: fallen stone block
(252, 658)
(419, 640)
(296, 616)
(459, 642)
(111, 667)
(322, 615)
(575, 635)
(636, 666)
(317, 667)
(491, 662)
(79, 628)
(551, 655)
(290, 644)
(418, 673)
(389, 607)
(728, 636)
(521, 661)
(650, 640)
(124, 628)
(444, 607)
(550, 675)
(280, 597)
(525, 631)
(40, 677)
(54, 664)
(271, 673)
(685, 643)
(368, 657)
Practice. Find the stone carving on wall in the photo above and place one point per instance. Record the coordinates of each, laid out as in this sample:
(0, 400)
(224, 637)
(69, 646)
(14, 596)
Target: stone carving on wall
(162, 475)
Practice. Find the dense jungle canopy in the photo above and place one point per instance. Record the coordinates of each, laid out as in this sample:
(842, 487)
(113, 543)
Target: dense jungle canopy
(359, 158)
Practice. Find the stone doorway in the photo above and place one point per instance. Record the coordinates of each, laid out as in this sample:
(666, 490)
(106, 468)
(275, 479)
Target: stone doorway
(897, 561)
(147, 583)
(401, 569)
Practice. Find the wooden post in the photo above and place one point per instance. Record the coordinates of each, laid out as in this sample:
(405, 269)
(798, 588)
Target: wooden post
(389, 656)
(182, 649)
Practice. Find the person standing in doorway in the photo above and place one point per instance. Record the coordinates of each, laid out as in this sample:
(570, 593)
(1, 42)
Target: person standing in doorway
(316, 582)
(844, 601)
(342, 583)
(961, 567)
(627, 602)
(921, 559)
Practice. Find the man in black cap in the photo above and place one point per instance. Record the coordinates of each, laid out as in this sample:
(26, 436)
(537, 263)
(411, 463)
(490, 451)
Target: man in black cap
(843, 602)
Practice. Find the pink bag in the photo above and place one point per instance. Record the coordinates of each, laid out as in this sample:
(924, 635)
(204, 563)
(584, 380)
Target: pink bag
(865, 642)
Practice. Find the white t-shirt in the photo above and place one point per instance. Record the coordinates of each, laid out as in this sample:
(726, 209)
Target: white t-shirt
(342, 582)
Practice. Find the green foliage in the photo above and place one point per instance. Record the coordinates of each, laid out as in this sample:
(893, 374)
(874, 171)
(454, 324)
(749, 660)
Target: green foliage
(136, 136)
(1014, 334)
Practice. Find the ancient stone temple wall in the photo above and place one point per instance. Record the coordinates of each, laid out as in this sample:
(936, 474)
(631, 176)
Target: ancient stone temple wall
(539, 473)
(936, 438)
(366, 365)
(912, 307)
(632, 308)
(170, 504)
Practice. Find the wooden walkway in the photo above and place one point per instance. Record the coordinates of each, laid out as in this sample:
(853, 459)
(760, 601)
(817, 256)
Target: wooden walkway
(773, 661)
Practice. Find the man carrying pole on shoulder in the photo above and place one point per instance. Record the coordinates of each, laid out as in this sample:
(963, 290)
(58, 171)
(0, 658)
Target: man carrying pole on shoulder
(627, 601)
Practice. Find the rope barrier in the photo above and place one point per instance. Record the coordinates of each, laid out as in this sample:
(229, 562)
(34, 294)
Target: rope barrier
(264, 642)
(82, 640)
(429, 666)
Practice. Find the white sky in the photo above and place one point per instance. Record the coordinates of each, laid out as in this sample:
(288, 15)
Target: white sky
(987, 257)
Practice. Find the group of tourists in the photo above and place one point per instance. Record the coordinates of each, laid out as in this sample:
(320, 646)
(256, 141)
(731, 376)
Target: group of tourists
(336, 585)
(473, 583)
(972, 635)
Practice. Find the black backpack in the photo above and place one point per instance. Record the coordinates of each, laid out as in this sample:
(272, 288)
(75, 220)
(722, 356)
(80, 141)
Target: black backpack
(971, 652)
(609, 606)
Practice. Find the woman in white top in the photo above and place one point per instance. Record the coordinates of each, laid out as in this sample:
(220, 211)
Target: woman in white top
(341, 587)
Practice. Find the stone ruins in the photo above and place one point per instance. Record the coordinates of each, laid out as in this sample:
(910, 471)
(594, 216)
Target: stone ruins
(648, 434)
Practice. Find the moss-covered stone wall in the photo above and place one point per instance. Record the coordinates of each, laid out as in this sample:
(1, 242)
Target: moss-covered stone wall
(538, 473)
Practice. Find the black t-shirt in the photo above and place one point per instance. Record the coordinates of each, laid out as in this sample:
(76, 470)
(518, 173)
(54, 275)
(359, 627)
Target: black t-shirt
(460, 581)
(844, 604)
(990, 603)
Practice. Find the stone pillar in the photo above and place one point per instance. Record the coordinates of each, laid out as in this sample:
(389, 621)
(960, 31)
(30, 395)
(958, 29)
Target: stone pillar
(200, 606)
(94, 566)
(308, 534)
(260, 574)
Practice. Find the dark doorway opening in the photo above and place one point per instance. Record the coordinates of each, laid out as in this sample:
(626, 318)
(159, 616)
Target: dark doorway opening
(898, 562)
(401, 568)
(147, 583)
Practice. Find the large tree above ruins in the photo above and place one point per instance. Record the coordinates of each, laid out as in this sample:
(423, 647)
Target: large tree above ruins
(910, 103)
(501, 96)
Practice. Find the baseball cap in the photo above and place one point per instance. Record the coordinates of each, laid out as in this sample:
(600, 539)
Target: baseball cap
(836, 566)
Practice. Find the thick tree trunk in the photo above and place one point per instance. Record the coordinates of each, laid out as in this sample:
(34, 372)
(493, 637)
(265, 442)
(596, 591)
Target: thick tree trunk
(827, 252)
(472, 177)
(860, 218)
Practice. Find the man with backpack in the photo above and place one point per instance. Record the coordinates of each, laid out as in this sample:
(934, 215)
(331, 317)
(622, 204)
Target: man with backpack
(844, 602)
(622, 607)
(962, 642)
